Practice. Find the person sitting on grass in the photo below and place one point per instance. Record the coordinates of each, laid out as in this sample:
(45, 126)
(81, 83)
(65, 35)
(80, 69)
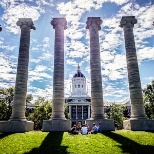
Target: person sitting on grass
(78, 127)
(99, 128)
(86, 125)
(94, 129)
(73, 130)
(84, 130)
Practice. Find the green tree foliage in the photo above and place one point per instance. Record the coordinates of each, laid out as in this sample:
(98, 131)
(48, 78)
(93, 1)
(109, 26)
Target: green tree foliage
(6, 94)
(115, 112)
(67, 115)
(29, 97)
(6, 98)
(148, 95)
(5, 111)
(6, 101)
(39, 101)
(42, 112)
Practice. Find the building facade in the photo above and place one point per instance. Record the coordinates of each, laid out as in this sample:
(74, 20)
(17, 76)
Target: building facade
(79, 101)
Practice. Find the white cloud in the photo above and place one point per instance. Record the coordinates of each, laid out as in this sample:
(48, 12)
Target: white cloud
(39, 73)
(75, 9)
(38, 92)
(7, 72)
(44, 2)
(145, 53)
(71, 62)
(76, 49)
(12, 13)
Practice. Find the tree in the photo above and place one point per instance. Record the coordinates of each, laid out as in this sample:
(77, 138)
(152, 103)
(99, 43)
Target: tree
(42, 112)
(5, 111)
(39, 101)
(8, 94)
(6, 99)
(148, 93)
(6, 102)
(115, 112)
(148, 96)
(66, 112)
(29, 97)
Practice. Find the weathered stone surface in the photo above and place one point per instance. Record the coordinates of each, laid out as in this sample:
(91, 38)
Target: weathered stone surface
(19, 100)
(139, 124)
(59, 24)
(58, 121)
(56, 125)
(18, 122)
(137, 108)
(16, 126)
(106, 124)
(93, 24)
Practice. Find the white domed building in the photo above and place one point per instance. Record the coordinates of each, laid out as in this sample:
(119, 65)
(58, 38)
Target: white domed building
(79, 101)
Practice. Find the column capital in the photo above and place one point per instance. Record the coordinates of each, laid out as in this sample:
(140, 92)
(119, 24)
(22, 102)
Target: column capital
(128, 21)
(59, 22)
(25, 23)
(94, 21)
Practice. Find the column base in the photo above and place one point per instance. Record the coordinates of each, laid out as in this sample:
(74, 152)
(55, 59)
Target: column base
(16, 126)
(139, 124)
(56, 125)
(107, 124)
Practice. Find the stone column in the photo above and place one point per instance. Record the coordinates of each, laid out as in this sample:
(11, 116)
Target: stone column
(76, 113)
(18, 122)
(88, 111)
(97, 106)
(19, 101)
(0, 28)
(137, 110)
(82, 111)
(70, 107)
(58, 117)
(59, 24)
(93, 24)
(138, 116)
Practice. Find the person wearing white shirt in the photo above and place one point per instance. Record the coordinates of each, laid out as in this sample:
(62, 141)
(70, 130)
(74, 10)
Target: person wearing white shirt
(84, 130)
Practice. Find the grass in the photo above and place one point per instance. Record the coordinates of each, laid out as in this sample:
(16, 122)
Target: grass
(118, 142)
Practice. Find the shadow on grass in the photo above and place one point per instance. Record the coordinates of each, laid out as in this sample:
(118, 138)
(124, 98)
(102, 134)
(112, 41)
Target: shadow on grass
(2, 135)
(129, 146)
(51, 145)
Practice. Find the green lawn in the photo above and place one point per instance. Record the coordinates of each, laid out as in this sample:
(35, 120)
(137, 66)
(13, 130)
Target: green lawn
(118, 142)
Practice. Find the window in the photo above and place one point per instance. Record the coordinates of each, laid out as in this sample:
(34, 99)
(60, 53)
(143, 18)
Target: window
(74, 108)
(78, 86)
(79, 109)
(75, 86)
(82, 86)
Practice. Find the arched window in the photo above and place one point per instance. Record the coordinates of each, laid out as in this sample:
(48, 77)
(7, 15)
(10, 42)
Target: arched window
(78, 86)
(75, 86)
(82, 86)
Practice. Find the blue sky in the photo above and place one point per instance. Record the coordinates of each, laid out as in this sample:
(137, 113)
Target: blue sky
(76, 12)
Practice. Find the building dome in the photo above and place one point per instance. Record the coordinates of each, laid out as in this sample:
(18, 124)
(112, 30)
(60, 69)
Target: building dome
(79, 84)
(78, 74)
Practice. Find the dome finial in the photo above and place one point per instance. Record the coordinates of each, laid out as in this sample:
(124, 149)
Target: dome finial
(78, 67)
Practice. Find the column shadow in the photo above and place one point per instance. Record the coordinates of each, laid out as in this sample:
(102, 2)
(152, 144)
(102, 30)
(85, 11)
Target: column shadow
(2, 135)
(51, 145)
(129, 146)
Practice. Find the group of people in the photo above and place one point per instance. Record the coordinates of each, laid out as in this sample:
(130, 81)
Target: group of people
(85, 129)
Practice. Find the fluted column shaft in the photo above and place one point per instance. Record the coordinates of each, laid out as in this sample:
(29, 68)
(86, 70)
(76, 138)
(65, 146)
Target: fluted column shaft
(137, 106)
(59, 24)
(97, 112)
(19, 101)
